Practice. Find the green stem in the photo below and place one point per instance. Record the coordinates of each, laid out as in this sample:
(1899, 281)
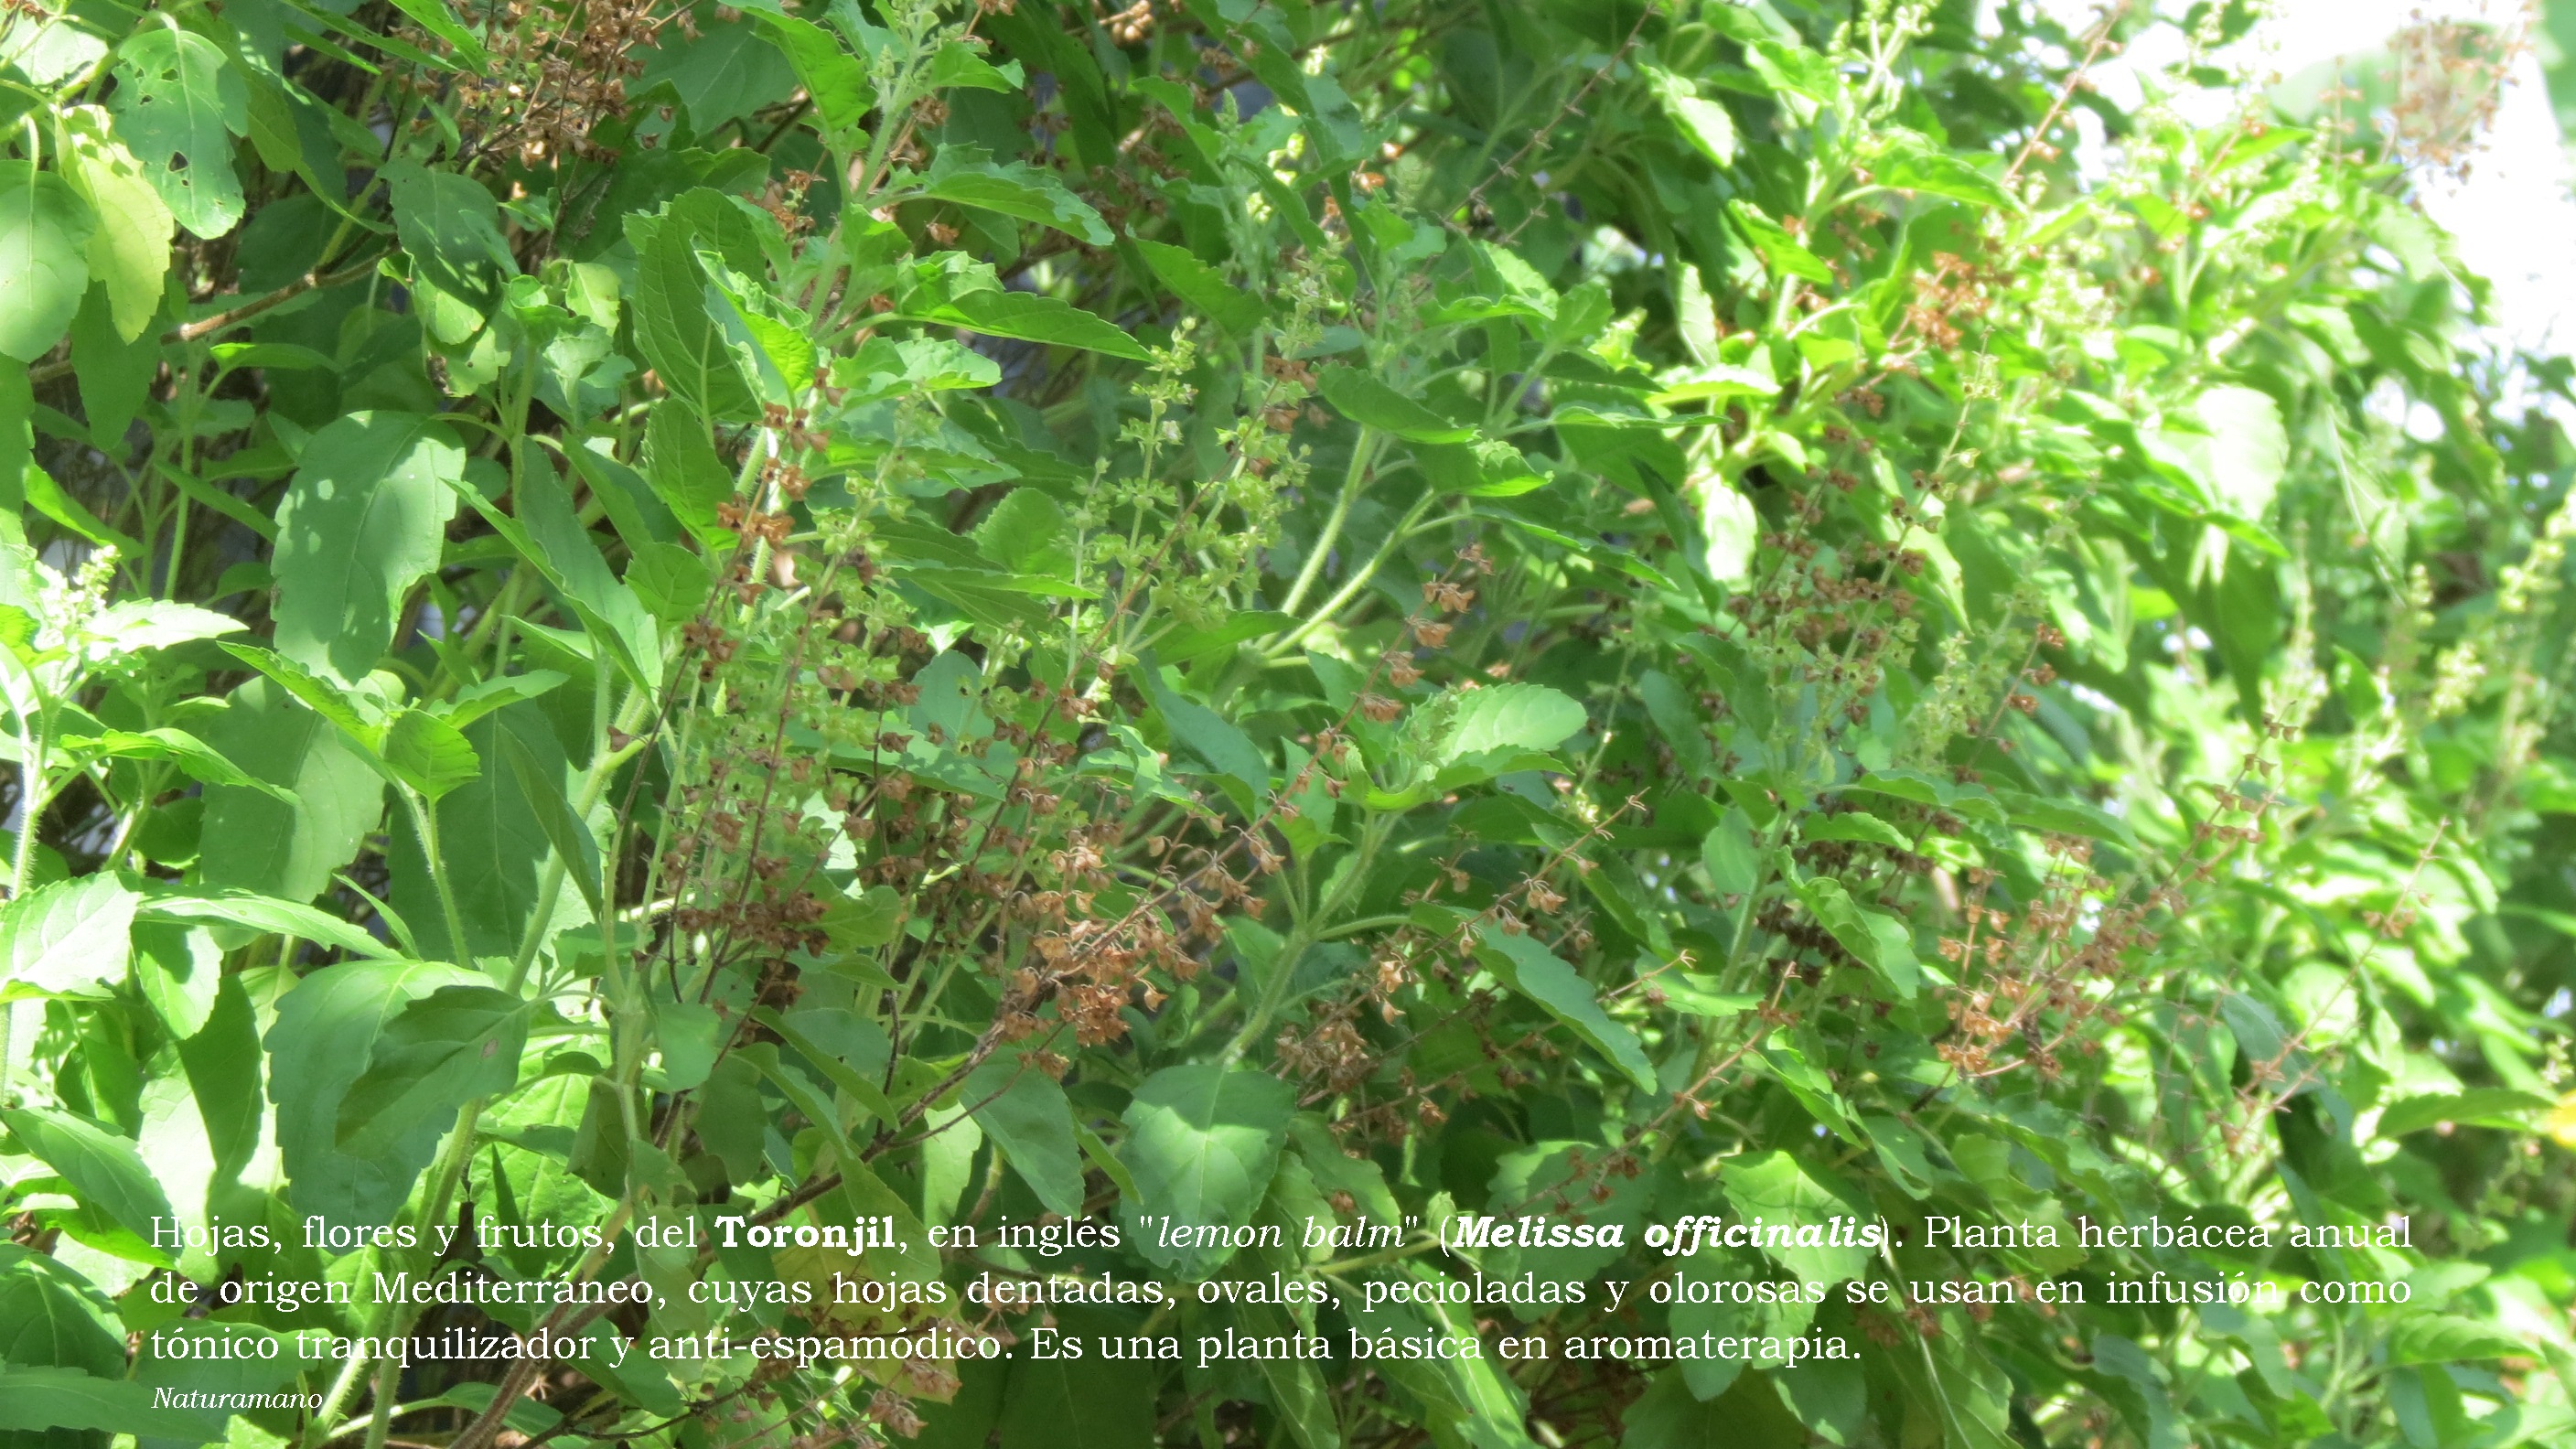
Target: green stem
(380, 1420)
(320, 1429)
(1361, 451)
(424, 823)
(1274, 992)
(1359, 580)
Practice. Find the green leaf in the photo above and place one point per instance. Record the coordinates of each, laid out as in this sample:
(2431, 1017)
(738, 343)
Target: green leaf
(835, 80)
(178, 104)
(1857, 826)
(1030, 317)
(887, 367)
(451, 228)
(1792, 69)
(443, 1050)
(257, 844)
(678, 335)
(957, 64)
(2420, 1338)
(967, 176)
(199, 760)
(1918, 167)
(51, 1315)
(1215, 739)
(686, 474)
(1233, 308)
(429, 754)
(1508, 718)
(362, 523)
(33, 1400)
(2245, 452)
(1365, 400)
(1876, 939)
(496, 819)
(550, 536)
(45, 231)
(2062, 817)
(105, 1172)
(1705, 124)
(115, 374)
(71, 938)
(1734, 863)
(1778, 1188)
(2499, 1106)
(356, 715)
(671, 580)
(473, 702)
(1055, 1404)
(1202, 1140)
(1728, 522)
(267, 914)
(855, 922)
(434, 17)
(1538, 973)
(1781, 253)
(1023, 1110)
(1023, 533)
(323, 1041)
(129, 251)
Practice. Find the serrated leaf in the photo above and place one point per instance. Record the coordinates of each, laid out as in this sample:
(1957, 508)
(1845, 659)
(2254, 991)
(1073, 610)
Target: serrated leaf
(255, 843)
(129, 249)
(1704, 123)
(441, 1051)
(1857, 826)
(1538, 973)
(675, 331)
(1365, 400)
(178, 103)
(1233, 308)
(2062, 817)
(671, 580)
(477, 700)
(1776, 1187)
(836, 80)
(1875, 938)
(451, 229)
(363, 521)
(1780, 252)
(967, 176)
(681, 465)
(1026, 1113)
(957, 64)
(429, 754)
(868, 918)
(1508, 717)
(34, 1400)
(131, 626)
(1217, 740)
(71, 938)
(105, 1172)
(1939, 173)
(324, 1037)
(2422, 1338)
(1202, 1140)
(199, 760)
(1030, 317)
(324, 697)
(1734, 864)
(256, 912)
(45, 231)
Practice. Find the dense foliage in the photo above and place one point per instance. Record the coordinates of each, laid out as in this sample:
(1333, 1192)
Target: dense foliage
(1242, 613)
